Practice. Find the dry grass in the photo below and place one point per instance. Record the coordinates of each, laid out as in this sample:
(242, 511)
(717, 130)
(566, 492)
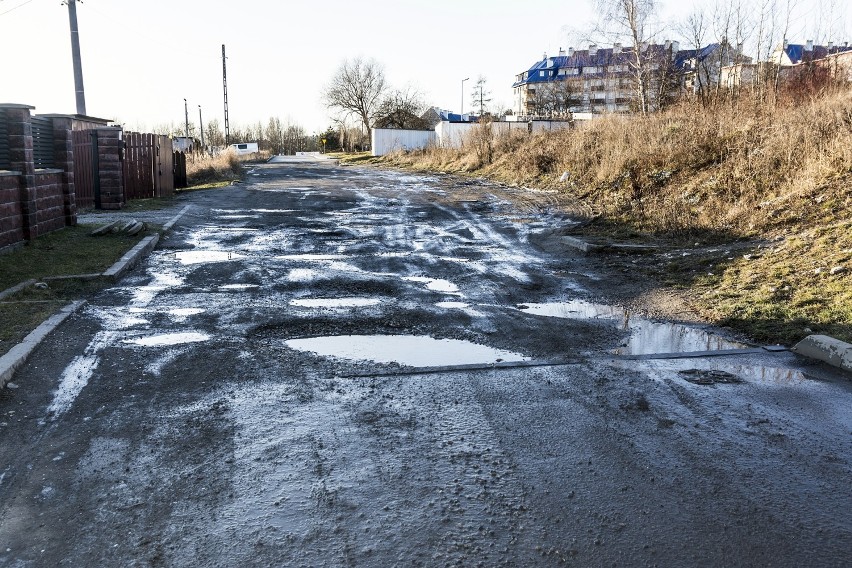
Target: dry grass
(225, 166)
(731, 169)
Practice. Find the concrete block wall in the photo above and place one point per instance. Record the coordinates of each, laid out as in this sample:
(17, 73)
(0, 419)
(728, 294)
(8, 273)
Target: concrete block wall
(111, 170)
(11, 223)
(34, 202)
(49, 201)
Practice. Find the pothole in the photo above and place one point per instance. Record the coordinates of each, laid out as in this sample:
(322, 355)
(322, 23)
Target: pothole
(204, 256)
(409, 350)
(334, 302)
(168, 339)
(434, 284)
(646, 337)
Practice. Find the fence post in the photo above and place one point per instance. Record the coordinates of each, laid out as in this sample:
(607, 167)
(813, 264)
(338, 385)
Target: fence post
(110, 174)
(63, 157)
(21, 159)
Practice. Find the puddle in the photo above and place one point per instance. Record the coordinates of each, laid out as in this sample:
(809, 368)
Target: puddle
(434, 284)
(168, 339)
(312, 257)
(302, 275)
(410, 350)
(335, 302)
(180, 315)
(202, 256)
(239, 286)
(452, 305)
(646, 337)
(714, 371)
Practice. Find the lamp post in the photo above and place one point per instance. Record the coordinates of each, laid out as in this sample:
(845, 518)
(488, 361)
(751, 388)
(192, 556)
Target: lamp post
(186, 116)
(462, 100)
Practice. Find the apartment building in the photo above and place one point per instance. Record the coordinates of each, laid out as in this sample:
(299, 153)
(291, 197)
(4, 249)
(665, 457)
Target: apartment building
(605, 80)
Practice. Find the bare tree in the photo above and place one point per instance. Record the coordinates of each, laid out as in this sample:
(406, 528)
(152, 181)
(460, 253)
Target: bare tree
(630, 18)
(480, 97)
(356, 89)
(401, 108)
(558, 97)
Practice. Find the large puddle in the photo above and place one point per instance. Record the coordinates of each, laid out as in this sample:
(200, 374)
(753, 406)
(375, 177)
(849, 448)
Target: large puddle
(409, 350)
(646, 337)
(334, 302)
(168, 339)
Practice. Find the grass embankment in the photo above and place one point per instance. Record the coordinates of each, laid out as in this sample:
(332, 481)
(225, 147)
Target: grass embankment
(778, 178)
(71, 251)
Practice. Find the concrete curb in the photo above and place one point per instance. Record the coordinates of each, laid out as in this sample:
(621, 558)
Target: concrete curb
(828, 349)
(17, 288)
(18, 355)
(132, 257)
(145, 246)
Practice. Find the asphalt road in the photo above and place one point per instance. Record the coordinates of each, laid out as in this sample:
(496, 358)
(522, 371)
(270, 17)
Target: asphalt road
(332, 366)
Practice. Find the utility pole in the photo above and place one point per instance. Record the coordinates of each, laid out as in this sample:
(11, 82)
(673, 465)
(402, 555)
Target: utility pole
(225, 87)
(461, 112)
(186, 114)
(201, 125)
(75, 54)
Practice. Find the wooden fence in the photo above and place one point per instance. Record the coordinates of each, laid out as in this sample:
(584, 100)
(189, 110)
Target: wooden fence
(148, 166)
(85, 148)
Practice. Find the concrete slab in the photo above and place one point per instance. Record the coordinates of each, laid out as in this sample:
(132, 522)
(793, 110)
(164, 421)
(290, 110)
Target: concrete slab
(824, 348)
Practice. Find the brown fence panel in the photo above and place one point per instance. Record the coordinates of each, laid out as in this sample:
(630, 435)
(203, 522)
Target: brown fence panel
(84, 177)
(140, 165)
(180, 170)
(166, 167)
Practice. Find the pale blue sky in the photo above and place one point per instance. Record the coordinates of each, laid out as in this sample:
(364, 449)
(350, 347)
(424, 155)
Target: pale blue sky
(142, 58)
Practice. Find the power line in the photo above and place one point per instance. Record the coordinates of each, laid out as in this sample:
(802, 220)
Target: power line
(15, 8)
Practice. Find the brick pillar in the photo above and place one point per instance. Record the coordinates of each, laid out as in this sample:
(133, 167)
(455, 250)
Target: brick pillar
(21, 160)
(63, 152)
(110, 167)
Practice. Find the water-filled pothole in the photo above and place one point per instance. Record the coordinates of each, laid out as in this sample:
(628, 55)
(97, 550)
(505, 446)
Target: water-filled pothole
(410, 350)
(202, 256)
(646, 337)
(334, 302)
(434, 284)
(168, 339)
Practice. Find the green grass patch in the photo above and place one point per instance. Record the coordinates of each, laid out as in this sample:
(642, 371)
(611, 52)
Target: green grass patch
(62, 253)
(67, 252)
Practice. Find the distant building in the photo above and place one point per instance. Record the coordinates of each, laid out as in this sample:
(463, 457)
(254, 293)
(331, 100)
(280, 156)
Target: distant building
(245, 148)
(435, 115)
(786, 61)
(598, 80)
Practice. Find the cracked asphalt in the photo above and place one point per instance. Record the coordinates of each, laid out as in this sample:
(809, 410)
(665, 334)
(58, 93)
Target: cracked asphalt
(335, 366)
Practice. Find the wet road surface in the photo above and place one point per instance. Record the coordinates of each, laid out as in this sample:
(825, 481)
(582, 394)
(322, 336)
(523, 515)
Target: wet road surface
(333, 366)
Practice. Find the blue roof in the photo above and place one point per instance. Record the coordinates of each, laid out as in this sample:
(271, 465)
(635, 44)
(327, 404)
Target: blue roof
(798, 52)
(603, 57)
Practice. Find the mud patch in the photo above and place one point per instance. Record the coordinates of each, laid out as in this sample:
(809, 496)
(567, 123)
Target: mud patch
(709, 377)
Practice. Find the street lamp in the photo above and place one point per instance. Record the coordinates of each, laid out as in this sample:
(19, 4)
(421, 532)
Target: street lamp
(462, 102)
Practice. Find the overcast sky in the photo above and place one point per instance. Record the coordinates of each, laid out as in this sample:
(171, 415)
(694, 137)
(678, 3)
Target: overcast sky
(141, 59)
